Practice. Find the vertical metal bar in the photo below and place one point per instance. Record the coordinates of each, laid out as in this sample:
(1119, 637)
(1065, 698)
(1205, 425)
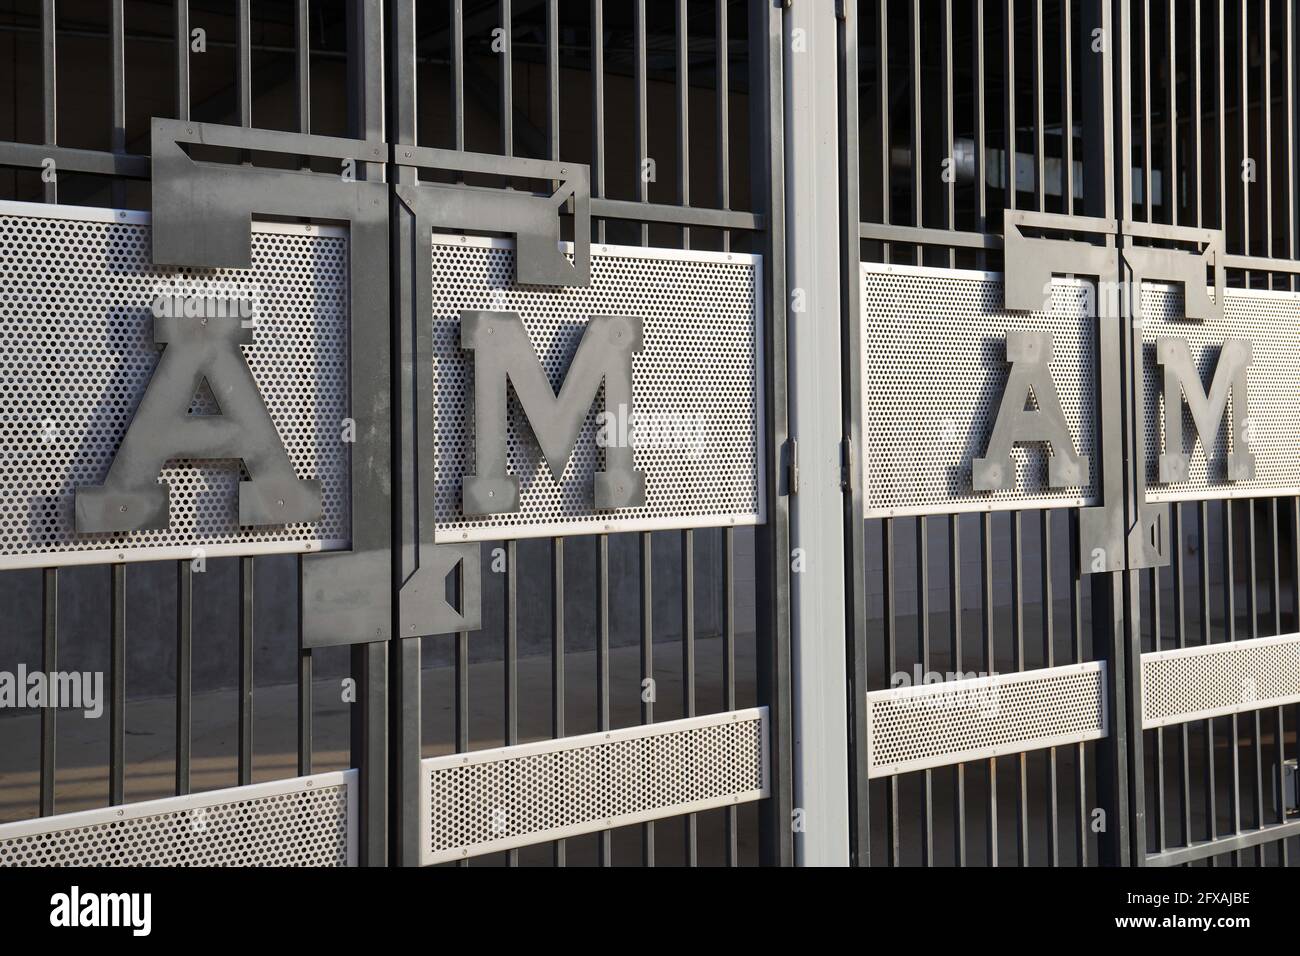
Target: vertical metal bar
(1295, 562)
(370, 715)
(302, 63)
(557, 657)
(1275, 584)
(1252, 579)
(458, 73)
(461, 676)
(184, 645)
(117, 678)
(1081, 752)
(1266, 106)
(1148, 48)
(1040, 159)
(1067, 110)
(688, 668)
(305, 701)
(955, 622)
(1159, 809)
(990, 665)
(245, 671)
(882, 67)
(1114, 617)
(1009, 53)
(49, 100)
(1230, 628)
(950, 212)
(182, 17)
(723, 90)
(918, 177)
(1171, 179)
(117, 56)
(1275, 596)
(1098, 133)
(602, 662)
(729, 666)
(774, 683)
(923, 653)
(642, 134)
(1049, 658)
(1252, 571)
(1222, 105)
(368, 729)
(1203, 527)
(854, 526)
(890, 616)
(683, 127)
(507, 104)
(244, 52)
(553, 77)
(1197, 166)
(1180, 633)
(49, 664)
(647, 671)
(1292, 194)
(462, 691)
(511, 682)
(1018, 642)
(1245, 152)
(598, 128)
(981, 174)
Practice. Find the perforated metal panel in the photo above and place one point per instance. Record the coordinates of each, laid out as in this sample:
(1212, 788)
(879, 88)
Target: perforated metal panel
(307, 821)
(699, 368)
(493, 800)
(1198, 682)
(934, 368)
(77, 351)
(911, 728)
(1271, 322)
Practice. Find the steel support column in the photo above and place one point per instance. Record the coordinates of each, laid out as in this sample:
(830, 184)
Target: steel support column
(818, 665)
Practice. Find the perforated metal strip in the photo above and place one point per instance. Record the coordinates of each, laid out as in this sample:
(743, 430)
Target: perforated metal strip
(305, 821)
(1216, 679)
(492, 800)
(76, 353)
(934, 367)
(697, 388)
(932, 725)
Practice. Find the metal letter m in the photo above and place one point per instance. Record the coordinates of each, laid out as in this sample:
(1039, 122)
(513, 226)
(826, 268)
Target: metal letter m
(503, 353)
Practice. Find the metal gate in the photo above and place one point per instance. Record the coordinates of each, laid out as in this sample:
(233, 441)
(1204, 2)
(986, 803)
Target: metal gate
(1138, 709)
(1017, 595)
(456, 183)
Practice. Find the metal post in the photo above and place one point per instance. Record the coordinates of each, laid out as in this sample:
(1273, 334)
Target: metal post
(818, 665)
(772, 541)
(851, 427)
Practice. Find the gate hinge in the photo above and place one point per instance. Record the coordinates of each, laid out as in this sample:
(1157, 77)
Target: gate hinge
(792, 465)
(846, 464)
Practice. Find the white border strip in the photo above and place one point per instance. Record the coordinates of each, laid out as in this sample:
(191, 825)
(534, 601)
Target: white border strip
(195, 801)
(612, 523)
(140, 217)
(180, 552)
(976, 684)
(430, 765)
(1225, 648)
